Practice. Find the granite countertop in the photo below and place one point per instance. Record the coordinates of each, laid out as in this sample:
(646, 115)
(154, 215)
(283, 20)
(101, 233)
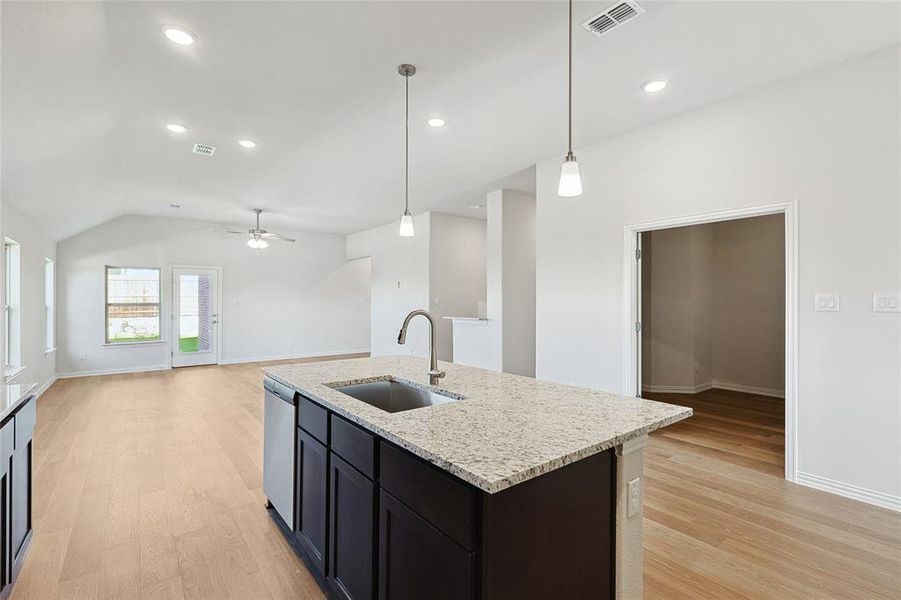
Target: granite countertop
(12, 395)
(506, 429)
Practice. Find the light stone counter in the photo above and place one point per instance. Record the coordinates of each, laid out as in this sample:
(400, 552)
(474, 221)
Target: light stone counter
(12, 395)
(506, 429)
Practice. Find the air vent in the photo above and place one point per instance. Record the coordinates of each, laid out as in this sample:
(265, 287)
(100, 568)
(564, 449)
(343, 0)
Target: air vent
(613, 17)
(204, 149)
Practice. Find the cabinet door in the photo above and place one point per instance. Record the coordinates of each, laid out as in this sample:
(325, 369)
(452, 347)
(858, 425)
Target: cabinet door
(351, 537)
(20, 506)
(312, 477)
(418, 561)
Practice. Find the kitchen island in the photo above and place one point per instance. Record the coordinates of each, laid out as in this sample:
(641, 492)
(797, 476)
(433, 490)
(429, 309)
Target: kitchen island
(499, 486)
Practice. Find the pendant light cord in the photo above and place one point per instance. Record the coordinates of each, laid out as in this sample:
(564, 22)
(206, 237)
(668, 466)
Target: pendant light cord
(407, 144)
(570, 86)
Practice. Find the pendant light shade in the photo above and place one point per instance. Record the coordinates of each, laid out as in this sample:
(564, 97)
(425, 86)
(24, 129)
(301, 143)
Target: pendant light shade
(570, 178)
(406, 226)
(406, 221)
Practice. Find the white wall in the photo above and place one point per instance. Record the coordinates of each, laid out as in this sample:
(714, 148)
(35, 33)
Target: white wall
(289, 300)
(512, 277)
(829, 140)
(35, 247)
(400, 283)
(749, 303)
(457, 273)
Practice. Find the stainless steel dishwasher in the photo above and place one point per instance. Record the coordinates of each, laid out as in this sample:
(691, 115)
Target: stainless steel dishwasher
(279, 439)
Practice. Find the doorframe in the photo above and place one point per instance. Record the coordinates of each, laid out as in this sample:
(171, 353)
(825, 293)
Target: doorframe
(170, 269)
(789, 209)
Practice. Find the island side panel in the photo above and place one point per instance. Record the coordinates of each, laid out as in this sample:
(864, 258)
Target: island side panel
(629, 467)
(552, 536)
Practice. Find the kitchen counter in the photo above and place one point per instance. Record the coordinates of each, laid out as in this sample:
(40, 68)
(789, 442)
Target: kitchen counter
(13, 395)
(505, 430)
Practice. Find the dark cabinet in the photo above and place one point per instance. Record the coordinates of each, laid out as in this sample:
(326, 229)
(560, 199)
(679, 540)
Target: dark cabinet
(417, 561)
(20, 529)
(351, 531)
(312, 478)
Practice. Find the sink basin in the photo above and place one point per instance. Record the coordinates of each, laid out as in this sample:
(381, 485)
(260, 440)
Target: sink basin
(394, 396)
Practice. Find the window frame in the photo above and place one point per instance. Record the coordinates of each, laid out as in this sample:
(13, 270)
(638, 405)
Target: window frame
(12, 308)
(159, 314)
(49, 305)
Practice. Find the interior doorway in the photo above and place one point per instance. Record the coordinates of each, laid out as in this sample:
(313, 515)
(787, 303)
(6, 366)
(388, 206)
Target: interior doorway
(720, 329)
(195, 316)
(712, 333)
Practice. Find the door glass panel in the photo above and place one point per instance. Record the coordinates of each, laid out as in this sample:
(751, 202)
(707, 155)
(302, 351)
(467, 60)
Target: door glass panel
(195, 318)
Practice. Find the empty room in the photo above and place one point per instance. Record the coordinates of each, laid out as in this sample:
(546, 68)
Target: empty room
(450, 300)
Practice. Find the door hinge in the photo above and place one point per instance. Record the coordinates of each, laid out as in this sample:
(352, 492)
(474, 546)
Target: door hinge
(637, 326)
(638, 254)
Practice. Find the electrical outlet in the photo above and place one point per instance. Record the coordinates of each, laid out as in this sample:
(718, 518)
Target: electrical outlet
(83, 356)
(290, 343)
(633, 489)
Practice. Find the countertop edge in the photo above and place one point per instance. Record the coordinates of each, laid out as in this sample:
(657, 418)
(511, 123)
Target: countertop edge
(27, 392)
(486, 485)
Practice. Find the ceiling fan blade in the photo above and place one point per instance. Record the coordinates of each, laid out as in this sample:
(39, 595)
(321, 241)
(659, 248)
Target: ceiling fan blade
(235, 231)
(275, 236)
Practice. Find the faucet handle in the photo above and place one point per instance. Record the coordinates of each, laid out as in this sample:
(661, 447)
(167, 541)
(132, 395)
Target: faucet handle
(437, 373)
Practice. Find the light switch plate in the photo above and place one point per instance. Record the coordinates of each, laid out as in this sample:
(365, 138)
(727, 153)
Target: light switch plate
(883, 302)
(827, 302)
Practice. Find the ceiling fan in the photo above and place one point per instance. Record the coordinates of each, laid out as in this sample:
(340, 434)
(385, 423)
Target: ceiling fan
(257, 237)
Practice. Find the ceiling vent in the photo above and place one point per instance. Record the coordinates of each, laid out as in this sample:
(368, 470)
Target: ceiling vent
(613, 17)
(204, 149)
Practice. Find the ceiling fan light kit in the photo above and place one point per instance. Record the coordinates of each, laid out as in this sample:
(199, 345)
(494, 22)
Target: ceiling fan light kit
(259, 237)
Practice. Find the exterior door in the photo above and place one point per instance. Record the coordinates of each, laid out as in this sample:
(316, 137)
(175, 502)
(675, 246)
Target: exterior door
(195, 317)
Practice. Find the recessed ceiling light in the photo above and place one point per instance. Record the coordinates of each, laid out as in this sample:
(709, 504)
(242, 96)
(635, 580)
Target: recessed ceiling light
(247, 143)
(180, 36)
(652, 86)
(176, 128)
(436, 122)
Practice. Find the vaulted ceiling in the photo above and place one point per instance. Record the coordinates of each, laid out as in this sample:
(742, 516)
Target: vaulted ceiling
(87, 88)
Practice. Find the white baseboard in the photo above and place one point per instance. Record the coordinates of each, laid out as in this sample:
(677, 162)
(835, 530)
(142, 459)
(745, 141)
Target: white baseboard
(748, 389)
(719, 385)
(850, 491)
(677, 389)
(249, 359)
(71, 374)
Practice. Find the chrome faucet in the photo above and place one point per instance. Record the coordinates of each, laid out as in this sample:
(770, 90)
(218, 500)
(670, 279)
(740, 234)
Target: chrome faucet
(434, 373)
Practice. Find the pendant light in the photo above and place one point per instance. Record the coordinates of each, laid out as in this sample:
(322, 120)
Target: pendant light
(406, 221)
(570, 179)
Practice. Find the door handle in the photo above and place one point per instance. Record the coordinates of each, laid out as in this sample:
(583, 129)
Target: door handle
(214, 321)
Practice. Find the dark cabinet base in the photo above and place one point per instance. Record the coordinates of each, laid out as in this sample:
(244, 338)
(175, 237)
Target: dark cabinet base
(375, 521)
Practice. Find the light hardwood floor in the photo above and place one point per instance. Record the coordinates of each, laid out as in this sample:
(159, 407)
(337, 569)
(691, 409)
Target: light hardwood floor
(150, 486)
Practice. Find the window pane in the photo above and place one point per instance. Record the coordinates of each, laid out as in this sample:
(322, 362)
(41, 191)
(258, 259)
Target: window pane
(194, 319)
(133, 304)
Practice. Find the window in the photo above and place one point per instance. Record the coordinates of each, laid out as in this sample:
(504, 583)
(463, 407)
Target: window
(49, 306)
(12, 309)
(132, 305)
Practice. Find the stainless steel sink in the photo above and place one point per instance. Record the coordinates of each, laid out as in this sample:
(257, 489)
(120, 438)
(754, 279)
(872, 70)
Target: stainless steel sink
(394, 396)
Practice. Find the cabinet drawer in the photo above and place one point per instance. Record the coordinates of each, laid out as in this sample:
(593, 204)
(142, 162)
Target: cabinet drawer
(25, 418)
(353, 444)
(7, 443)
(446, 503)
(313, 419)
